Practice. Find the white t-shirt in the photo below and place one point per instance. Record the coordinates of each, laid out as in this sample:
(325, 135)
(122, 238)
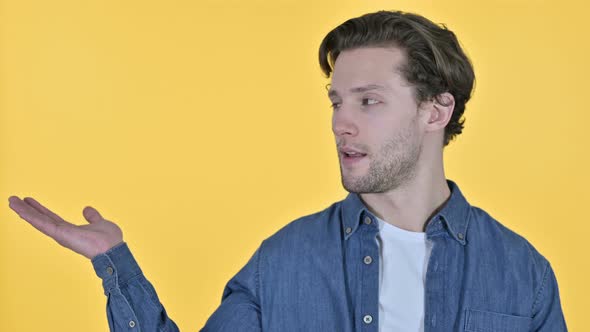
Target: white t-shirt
(402, 272)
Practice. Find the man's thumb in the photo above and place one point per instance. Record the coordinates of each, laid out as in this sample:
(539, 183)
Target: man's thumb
(91, 214)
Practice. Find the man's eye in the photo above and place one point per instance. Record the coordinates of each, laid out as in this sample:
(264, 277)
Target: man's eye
(365, 102)
(372, 101)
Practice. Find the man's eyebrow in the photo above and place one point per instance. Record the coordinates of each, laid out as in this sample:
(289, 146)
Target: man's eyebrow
(359, 89)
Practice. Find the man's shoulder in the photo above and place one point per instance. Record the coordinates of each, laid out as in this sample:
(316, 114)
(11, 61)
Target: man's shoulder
(308, 229)
(489, 234)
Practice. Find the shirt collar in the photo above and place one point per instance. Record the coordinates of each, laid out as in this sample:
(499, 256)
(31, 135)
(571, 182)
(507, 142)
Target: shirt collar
(454, 214)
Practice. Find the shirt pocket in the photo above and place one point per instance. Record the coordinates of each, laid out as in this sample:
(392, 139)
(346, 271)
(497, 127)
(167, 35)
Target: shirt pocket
(487, 321)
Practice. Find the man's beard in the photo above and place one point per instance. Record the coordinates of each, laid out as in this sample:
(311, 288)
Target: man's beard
(394, 165)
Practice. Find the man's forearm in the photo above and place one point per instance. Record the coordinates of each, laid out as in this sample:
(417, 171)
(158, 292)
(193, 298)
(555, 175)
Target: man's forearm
(132, 302)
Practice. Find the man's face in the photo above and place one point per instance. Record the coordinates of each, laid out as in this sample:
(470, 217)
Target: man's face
(381, 122)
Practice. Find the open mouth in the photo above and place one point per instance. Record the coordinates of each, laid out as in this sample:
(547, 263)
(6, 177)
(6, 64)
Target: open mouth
(351, 157)
(354, 155)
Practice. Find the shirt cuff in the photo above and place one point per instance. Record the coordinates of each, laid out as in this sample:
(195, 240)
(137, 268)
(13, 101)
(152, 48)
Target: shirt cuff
(115, 266)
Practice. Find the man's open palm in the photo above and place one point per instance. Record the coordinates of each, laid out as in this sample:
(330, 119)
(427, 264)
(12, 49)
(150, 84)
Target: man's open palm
(98, 236)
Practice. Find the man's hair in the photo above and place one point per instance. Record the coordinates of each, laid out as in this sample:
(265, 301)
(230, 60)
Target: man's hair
(435, 62)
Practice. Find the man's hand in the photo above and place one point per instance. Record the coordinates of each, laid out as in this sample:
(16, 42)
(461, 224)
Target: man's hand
(88, 240)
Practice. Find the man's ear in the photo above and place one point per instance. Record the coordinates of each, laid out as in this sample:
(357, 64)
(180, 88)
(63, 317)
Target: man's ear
(440, 110)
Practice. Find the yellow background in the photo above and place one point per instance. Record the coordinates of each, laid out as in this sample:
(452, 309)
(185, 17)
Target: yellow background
(202, 127)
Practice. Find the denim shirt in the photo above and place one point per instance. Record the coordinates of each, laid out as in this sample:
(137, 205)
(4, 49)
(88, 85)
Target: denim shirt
(320, 273)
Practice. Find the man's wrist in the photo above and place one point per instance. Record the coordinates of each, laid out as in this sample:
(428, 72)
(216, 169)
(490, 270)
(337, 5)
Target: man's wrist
(115, 266)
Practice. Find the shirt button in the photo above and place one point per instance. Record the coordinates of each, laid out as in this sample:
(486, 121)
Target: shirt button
(110, 270)
(367, 319)
(460, 236)
(368, 220)
(131, 323)
(368, 260)
(348, 230)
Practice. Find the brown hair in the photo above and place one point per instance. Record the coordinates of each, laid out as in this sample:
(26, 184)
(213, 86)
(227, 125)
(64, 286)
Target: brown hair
(435, 62)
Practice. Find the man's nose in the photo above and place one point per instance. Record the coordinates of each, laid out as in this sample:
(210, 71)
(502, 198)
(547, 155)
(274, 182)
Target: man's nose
(344, 122)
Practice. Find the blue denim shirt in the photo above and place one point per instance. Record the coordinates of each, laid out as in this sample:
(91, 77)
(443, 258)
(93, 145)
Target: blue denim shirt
(313, 275)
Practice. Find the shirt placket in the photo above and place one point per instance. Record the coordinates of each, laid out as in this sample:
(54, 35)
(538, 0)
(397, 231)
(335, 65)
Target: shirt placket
(434, 285)
(369, 281)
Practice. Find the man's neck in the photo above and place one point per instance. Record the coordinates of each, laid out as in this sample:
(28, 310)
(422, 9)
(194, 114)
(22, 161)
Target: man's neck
(411, 205)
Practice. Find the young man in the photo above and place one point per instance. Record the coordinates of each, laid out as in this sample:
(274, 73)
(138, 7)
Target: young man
(404, 251)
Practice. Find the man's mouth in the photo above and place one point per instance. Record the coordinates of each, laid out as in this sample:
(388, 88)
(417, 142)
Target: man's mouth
(353, 154)
(351, 158)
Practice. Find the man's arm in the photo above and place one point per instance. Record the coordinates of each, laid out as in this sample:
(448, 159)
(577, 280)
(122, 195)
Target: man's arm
(132, 302)
(547, 313)
(240, 303)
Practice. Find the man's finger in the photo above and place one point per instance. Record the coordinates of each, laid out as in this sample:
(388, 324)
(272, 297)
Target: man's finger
(41, 222)
(91, 214)
(42, 209)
